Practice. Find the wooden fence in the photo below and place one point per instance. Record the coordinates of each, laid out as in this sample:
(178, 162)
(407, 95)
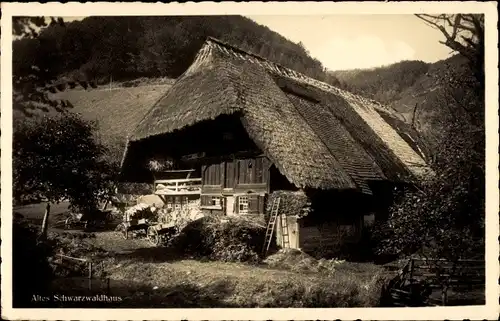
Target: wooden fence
(89, 264)
(419, 278)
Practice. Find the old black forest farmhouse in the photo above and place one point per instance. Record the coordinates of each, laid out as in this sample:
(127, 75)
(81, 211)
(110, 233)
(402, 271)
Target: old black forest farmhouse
(235, 131)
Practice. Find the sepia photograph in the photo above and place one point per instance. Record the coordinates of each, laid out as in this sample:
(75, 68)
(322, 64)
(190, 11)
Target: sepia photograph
(187, 161)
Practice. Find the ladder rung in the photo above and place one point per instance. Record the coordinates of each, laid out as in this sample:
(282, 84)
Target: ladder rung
(271, 224)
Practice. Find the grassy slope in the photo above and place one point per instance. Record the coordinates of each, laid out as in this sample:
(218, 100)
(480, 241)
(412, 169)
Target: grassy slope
(135, 268)
(217, 284)
(34, 212)
(155, 277)
(117, 110)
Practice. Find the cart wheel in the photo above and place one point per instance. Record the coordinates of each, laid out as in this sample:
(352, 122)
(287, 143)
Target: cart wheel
(153, 236)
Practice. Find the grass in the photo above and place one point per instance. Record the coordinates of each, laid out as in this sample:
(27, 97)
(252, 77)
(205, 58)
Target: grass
(146, 276)
(118, 109)
(238, 285)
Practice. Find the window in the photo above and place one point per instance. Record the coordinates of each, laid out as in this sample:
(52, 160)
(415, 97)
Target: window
(216, 201)
(243, 204)
(170, 202)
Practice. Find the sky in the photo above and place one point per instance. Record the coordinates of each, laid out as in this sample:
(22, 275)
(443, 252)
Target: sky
(343, 42)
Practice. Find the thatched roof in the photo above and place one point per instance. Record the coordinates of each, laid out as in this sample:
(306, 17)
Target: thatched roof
(317, 135)
(117, 110)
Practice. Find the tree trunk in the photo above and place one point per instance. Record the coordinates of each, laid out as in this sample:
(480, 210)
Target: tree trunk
(45, 222)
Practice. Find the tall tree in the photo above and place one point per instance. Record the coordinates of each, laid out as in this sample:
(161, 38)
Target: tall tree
(57, 158)
(464, 34)
(34, 65)
(445, 218)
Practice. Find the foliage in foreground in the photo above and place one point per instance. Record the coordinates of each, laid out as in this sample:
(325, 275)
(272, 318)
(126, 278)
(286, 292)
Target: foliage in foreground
(57, 158)
(29, 256)
(190, 283)
(231, 239)
(445, 217)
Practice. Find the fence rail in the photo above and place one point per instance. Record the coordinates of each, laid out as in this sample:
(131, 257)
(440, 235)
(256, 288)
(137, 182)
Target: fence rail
(90, 275)
(182, 186)
(435, 274)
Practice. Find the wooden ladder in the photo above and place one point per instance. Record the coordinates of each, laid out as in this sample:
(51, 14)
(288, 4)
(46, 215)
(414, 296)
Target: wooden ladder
(270, 225)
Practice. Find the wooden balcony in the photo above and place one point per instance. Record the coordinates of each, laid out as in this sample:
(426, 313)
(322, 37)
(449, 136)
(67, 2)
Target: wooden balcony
(184, 186)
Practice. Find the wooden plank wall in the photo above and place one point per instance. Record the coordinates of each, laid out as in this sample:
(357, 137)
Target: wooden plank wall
(232, 173)
(328, 235)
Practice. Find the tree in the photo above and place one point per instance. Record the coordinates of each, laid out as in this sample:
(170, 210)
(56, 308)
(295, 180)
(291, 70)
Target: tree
(464, 34)
(444, 217)
(57, 158)
(33, 65)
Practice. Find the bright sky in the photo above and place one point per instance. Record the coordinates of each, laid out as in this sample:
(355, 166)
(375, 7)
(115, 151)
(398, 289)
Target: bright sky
(360, 41)
(343, 42)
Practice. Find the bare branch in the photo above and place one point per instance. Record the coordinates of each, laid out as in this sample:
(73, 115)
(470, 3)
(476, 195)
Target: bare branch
(427, 19)
(456, 23)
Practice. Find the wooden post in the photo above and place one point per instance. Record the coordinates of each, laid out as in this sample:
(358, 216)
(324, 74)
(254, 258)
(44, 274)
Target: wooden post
(444, 295)
(412, 264)
(45, 222)
(90, 275)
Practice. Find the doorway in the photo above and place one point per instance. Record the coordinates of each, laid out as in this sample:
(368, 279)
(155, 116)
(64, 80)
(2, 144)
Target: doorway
(229, 205)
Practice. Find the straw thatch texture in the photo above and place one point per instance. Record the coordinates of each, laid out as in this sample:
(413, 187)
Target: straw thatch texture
(201, 95)
(273, 123)
(366, 109)
(317, 135)
(407, 132)
(391, 139)
(349, 153)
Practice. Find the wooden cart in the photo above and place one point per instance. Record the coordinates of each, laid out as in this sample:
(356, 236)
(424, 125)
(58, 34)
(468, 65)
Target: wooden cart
(160, 233)
(133, 227)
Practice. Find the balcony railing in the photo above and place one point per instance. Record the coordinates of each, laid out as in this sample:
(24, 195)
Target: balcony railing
(185, 186)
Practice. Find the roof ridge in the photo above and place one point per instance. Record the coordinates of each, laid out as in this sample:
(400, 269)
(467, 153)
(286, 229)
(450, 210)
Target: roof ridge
(291, 73)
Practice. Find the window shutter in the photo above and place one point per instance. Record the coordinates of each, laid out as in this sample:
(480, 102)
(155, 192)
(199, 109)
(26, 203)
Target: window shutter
(206, 200)
(253, 204)
(262, 200)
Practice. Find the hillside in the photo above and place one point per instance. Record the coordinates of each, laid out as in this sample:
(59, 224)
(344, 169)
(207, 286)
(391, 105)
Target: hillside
(101, 49)
(404, 85)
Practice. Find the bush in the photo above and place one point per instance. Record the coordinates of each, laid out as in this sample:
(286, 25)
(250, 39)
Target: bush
(229, 239)
(74, 245)
(444, 217)
(291, 203)
(29, 256)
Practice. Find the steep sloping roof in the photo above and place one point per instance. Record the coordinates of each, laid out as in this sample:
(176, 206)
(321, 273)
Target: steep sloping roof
(318, 136)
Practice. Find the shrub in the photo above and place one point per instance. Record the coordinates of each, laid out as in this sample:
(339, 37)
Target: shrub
(229, 239)
(29, 255)
(291, 203)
